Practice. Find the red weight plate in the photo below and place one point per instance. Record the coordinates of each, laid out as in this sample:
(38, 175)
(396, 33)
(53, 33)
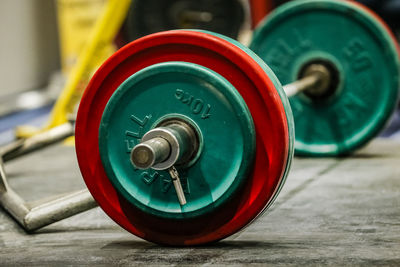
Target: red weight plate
(256, 88)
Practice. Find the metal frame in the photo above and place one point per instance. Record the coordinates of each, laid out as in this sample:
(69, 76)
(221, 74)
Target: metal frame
(34, 217)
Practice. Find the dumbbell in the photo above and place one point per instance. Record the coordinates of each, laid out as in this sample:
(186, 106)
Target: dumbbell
(185, 137)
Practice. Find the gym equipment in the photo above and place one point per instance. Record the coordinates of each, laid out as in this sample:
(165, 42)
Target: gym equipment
(34, 216)
(228, 131)
(349, 62)
(227, 17)
(185, 137)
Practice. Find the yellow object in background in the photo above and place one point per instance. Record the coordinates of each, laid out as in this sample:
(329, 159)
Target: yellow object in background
(76, 20)
(94, 51)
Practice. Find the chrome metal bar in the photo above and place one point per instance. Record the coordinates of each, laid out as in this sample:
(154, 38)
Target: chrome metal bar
(41, 140)
(32, 218)
(303, 84)
(3, 181)
(59, 209)
(316, 79)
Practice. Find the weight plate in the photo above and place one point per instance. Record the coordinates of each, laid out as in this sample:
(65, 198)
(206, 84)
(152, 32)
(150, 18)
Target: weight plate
(227, 17)
(363, 53)
(264, 97)
(212, 105)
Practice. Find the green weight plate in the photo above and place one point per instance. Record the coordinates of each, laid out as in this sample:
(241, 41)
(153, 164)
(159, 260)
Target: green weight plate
(364, 56)
(211, 104)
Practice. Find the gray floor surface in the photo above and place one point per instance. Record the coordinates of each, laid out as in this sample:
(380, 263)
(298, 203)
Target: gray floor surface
(330, 212)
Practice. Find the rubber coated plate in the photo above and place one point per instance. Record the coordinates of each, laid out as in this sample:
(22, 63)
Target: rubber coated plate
(358, 46)
(264, 97)
(203, 98)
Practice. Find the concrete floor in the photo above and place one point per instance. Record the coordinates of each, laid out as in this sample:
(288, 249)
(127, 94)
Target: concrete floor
(331, 212)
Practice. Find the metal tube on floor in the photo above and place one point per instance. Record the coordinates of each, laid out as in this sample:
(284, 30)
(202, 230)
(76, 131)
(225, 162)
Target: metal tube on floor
(36, 142)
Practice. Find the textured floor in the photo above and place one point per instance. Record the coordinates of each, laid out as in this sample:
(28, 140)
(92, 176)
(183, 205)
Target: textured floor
(331, 212)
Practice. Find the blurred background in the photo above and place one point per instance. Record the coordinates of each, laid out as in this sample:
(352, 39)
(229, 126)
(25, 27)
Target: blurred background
(41, 41)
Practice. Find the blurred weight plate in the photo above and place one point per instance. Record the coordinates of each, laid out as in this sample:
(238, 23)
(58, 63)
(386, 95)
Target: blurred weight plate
(362, 51)
(227, 17)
